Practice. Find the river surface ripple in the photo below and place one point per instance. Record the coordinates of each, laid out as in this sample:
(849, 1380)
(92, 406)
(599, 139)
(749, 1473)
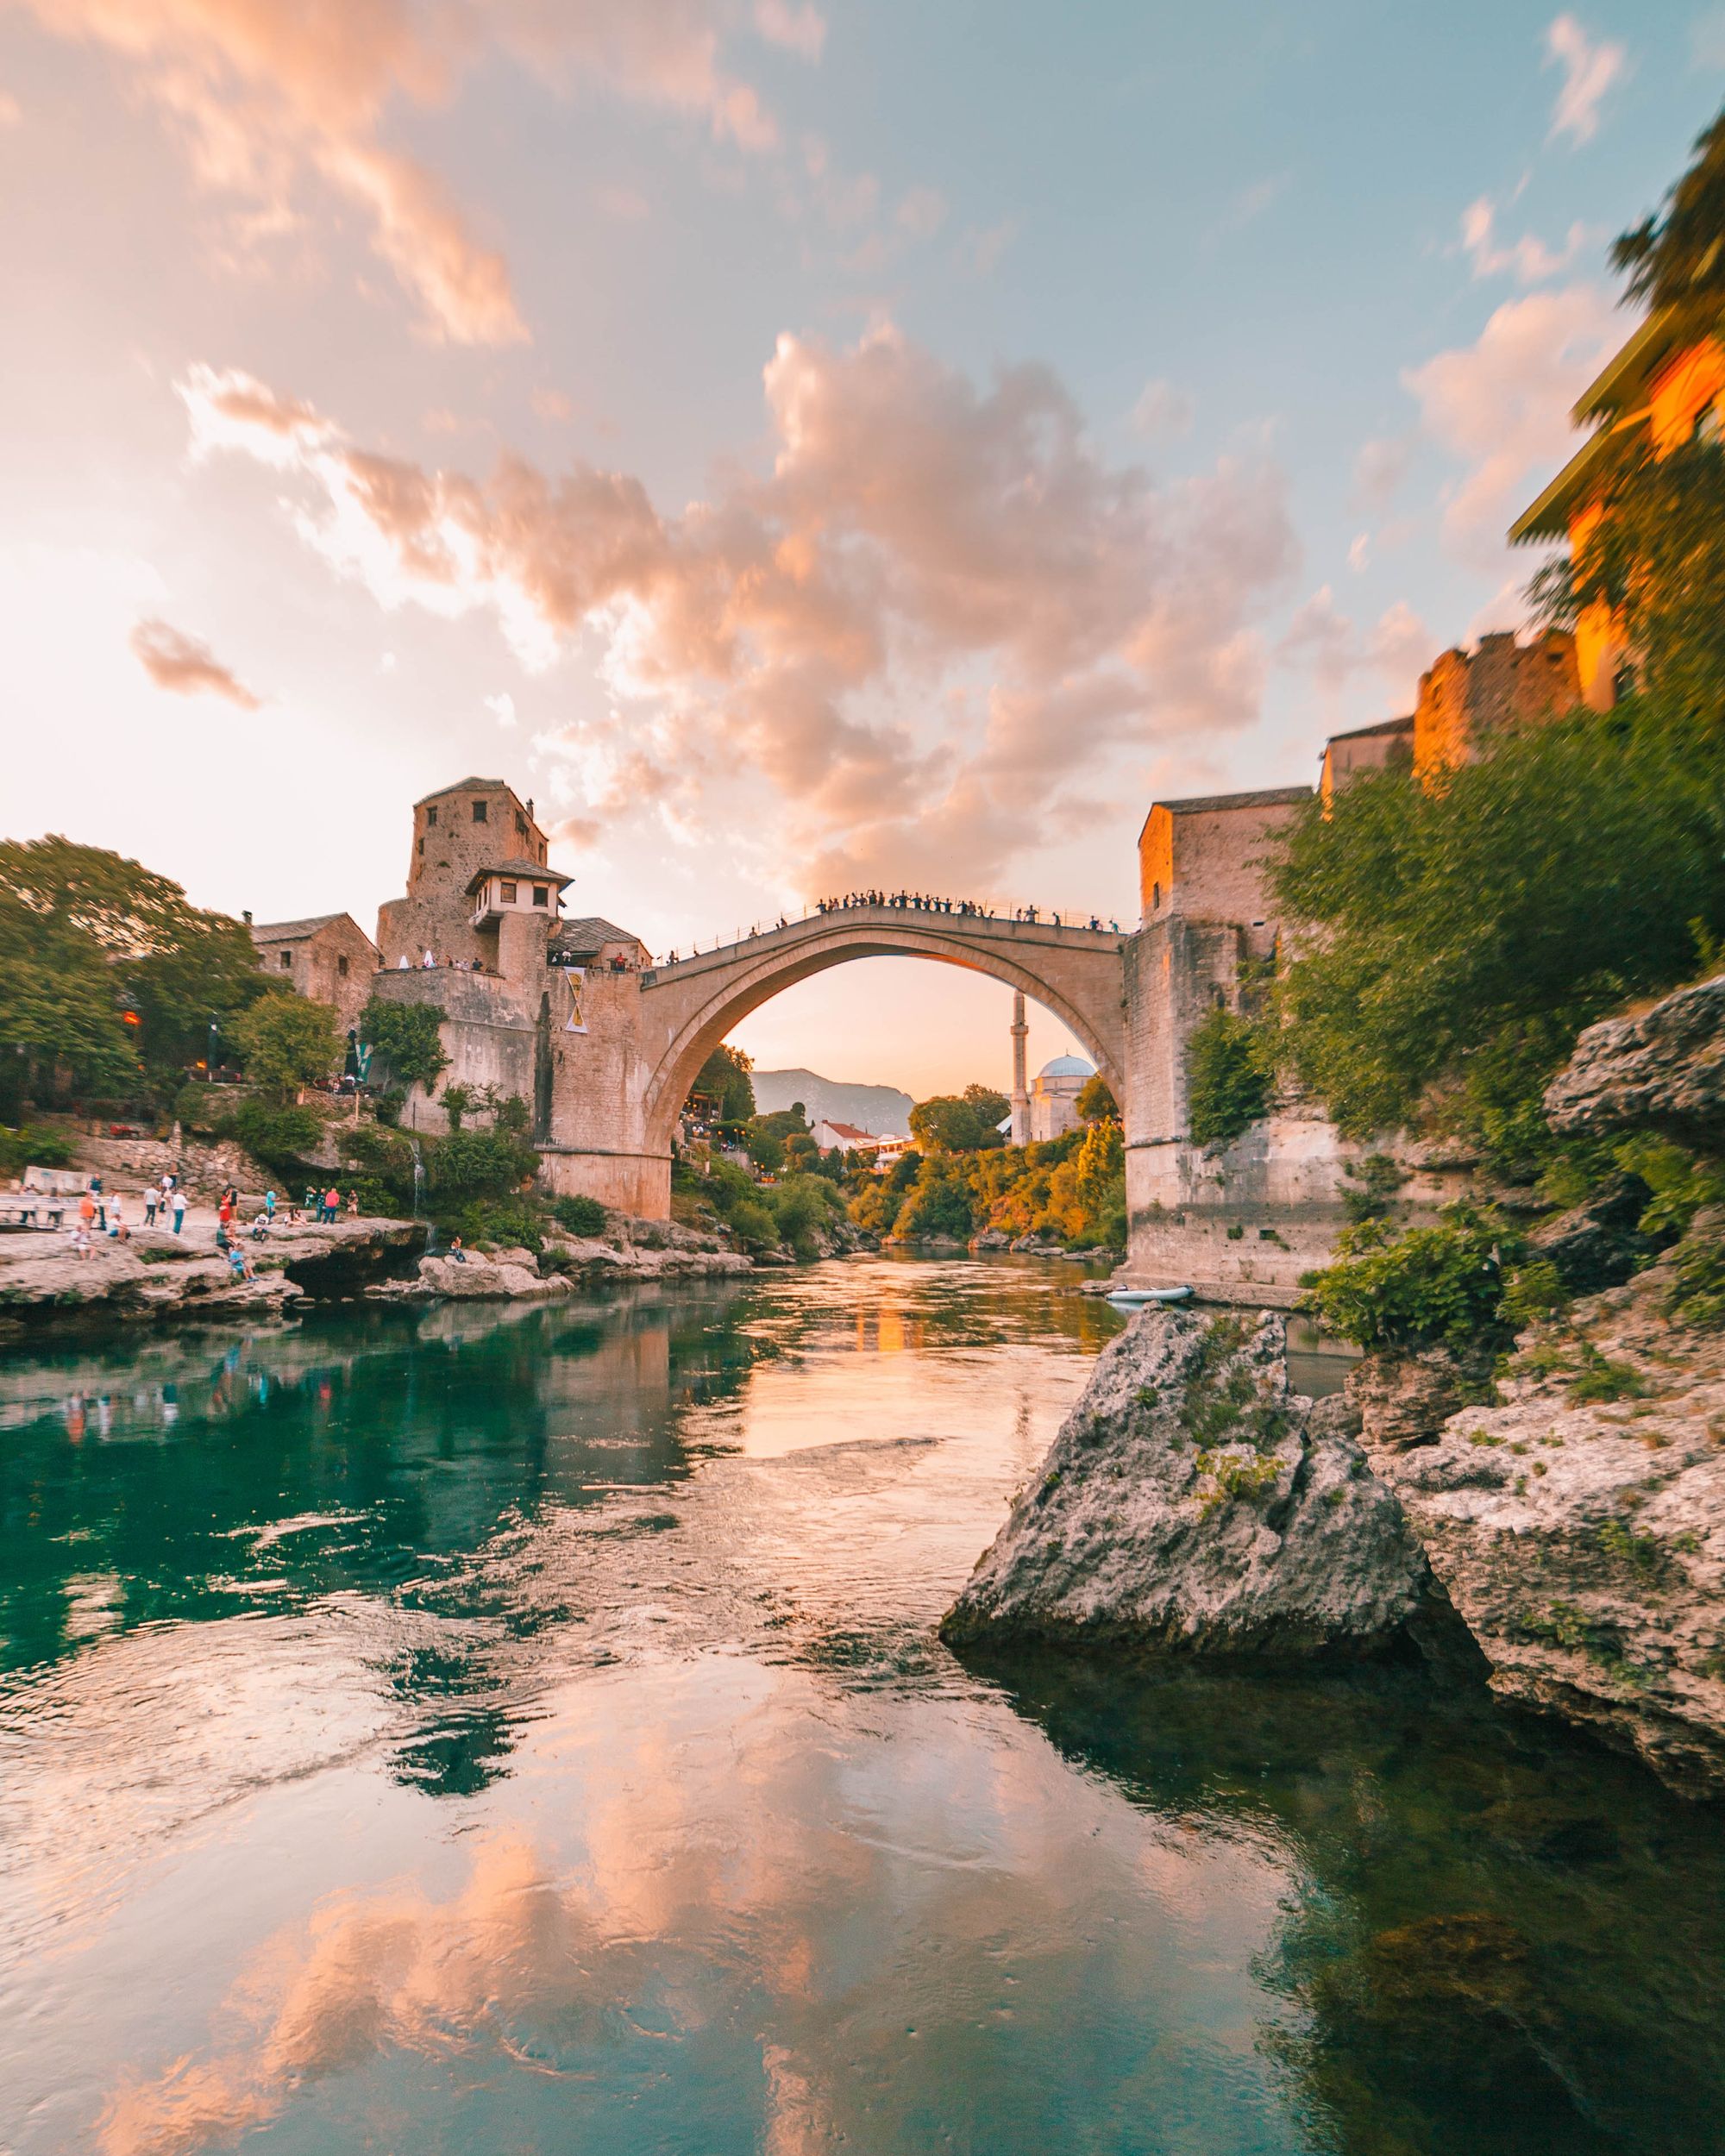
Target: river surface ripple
(486, 1730)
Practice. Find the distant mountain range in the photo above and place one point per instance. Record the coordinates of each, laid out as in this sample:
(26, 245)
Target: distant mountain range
(882, 1109)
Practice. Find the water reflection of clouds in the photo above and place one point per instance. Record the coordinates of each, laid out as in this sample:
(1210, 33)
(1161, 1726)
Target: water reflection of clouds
(697, 1888)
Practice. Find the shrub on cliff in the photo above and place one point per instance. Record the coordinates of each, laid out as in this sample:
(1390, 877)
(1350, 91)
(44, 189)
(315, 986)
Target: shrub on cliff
(278, 1138)
(1230, 1076)
(580, 1216)
(1438, 1285)
(477, 1164)
(405, 1039)
(1465, 932)
(940, 1205)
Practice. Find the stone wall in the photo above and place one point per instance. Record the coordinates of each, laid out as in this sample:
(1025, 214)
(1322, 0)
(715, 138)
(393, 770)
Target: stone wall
(1464, 697)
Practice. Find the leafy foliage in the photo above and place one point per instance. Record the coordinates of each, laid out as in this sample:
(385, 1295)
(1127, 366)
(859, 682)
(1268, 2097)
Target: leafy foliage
(1656, 558)
(278, 1138)
(580, 1216)
(477, 1164)
(106, 970)
(1442, 1283)
(457, 1103)
(406, 1040)
(32, 1146)
(1675, 260)
(724, 1078)
(1096, 1102)
(960, 1122)
(940, 1205)
(287, 1042)
(1465, 934)
(1230, 1076)
(1698, 1295)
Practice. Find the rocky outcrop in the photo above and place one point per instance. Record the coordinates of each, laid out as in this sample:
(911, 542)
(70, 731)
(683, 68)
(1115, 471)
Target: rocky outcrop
(44, 1284)
(587, 1258)
(1191, 1503)
(1598, 1244)
(1664, 1070)
(477, 1279)
(1578, 1526)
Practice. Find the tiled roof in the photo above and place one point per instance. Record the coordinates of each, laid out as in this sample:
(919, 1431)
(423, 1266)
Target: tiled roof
(592, 934)
(294, 932)
(1383, 726)
(534, 871)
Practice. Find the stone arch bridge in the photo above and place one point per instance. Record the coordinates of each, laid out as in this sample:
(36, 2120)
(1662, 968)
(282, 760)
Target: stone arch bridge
(619, 1089)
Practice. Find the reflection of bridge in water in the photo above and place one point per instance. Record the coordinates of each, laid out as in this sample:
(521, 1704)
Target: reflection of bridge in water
(688, 1007)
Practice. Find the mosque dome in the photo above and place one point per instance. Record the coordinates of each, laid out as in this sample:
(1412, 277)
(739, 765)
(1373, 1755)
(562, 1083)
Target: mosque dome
(1067, 1067)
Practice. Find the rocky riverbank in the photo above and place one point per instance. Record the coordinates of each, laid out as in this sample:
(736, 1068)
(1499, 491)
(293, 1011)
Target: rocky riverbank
(1552, 1517)
(155, 1275)
(1193, 1502)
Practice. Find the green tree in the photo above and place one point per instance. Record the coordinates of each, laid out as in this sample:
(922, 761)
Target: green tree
(287, 1042)
(959, 1123)
(724, 1079)
(1096, 1102)
(406, 1039)
(1675, 259)
(1229, 1075)
(106, 968)
(1457, 939)
(940, 1205)
(477, 1164)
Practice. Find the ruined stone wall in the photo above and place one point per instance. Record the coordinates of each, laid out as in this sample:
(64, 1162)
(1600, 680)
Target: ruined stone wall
(1464, 699)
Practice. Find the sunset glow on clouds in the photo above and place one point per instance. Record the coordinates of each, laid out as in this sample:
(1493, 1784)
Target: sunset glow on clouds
(850, 445)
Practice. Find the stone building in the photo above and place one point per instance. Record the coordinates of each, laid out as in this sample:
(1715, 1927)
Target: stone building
(462, 835)
(1054, 1097)
(328, 958)
(1666, 383)
(1466, 697)
(1388, 745)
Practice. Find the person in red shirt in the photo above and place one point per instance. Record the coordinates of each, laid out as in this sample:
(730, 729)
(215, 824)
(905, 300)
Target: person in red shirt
(332, 1203)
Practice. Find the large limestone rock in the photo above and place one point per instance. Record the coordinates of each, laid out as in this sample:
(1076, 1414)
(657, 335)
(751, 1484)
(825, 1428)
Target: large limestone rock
(1664, 1070)
(1192, 1502)
(479, 1278)
(1578, 1527)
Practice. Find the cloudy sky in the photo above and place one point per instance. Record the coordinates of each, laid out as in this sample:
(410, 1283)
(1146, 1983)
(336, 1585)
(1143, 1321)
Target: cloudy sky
(802, 442)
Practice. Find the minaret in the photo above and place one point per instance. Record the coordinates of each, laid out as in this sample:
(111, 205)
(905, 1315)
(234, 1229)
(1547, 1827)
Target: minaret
(1020, 1095)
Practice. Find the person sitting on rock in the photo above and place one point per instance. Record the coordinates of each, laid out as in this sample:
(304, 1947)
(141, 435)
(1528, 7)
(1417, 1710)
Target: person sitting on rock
(457, 1255)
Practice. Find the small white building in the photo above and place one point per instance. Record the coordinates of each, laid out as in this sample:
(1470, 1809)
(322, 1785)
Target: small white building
(889, 1151)
(1054, 1097)
(844, 1138)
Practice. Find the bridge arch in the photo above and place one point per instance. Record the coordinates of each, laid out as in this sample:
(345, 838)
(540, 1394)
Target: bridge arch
(688, 1009)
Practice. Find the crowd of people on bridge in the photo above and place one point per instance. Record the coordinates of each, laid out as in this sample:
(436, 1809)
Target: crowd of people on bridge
(922, 902)
(915, 902)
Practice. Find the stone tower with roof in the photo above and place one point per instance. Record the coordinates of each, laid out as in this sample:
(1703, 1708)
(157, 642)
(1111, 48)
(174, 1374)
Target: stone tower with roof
(463, 836)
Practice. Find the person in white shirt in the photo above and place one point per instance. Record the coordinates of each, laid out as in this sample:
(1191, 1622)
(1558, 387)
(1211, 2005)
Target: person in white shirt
(179, 1204)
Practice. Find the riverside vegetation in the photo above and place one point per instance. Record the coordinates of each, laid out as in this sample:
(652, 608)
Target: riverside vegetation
(1519, 959)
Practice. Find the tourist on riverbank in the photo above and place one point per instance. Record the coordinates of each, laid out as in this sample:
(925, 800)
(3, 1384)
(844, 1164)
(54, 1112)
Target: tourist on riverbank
(177, 1201)
(353, 1204)
(152, 1202)
(331, 1207)
(457, 1255)
(269, 1205)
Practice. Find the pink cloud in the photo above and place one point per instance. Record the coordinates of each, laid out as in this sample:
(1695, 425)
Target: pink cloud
(1529, 260)
(916, 534)
(1328, 645)
(1502, 404)
(186, 667)
(1590, 69)
(265, 92)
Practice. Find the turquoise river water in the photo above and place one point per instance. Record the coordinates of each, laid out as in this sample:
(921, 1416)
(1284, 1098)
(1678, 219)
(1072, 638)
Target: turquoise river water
(479, 1730)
